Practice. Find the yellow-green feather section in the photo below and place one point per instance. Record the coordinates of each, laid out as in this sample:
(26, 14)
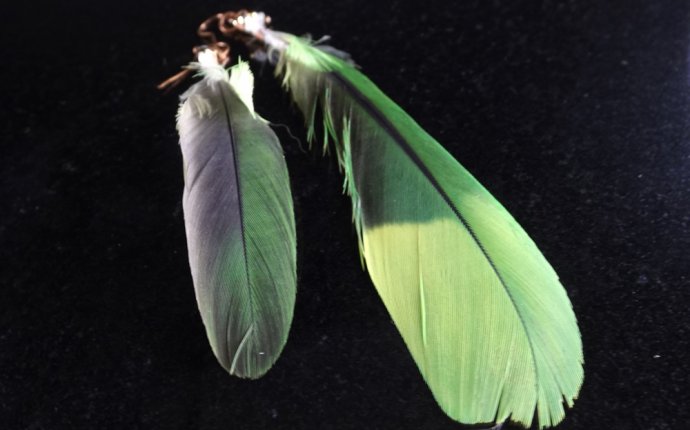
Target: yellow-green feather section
(480, 309)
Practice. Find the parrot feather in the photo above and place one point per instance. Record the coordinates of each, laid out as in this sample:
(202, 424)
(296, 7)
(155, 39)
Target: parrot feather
(239, 220)
(480, 309)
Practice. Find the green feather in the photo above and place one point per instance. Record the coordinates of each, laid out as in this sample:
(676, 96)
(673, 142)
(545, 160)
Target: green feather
(480, 309)
(239, 221)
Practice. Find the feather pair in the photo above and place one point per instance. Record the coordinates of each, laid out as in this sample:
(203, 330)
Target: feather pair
(478, 306)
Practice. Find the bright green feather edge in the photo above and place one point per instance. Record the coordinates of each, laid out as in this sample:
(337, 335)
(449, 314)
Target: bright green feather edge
(550, 411)
(302, 50)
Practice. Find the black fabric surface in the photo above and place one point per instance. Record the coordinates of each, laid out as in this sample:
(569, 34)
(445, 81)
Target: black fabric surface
(575, 115)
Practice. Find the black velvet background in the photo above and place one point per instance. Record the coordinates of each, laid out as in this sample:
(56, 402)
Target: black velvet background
(574, 114)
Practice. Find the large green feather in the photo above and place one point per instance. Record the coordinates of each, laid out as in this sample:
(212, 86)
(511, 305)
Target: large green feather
(239, 221)
(480, 309)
